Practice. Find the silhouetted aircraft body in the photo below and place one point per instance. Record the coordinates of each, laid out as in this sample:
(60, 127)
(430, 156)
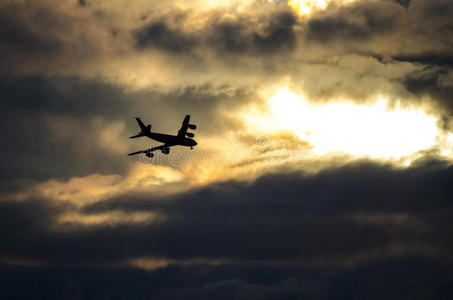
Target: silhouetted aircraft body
(183, 138)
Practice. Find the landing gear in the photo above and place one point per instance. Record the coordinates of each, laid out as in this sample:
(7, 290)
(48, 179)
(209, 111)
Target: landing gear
(191, 148)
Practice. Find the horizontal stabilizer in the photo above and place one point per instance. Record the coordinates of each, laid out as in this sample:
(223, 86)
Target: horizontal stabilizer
(144, 130)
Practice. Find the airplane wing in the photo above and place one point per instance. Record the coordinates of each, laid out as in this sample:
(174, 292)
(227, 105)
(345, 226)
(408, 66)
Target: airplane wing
(152, 149)
(185, 124)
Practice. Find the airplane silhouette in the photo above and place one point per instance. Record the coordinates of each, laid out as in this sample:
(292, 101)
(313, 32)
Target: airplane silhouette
(167, 139)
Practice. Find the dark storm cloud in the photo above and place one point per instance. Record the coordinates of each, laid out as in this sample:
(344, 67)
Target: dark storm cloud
(83, 98)
(427, 59)
(229, 36)
(387, 279)
(356, 23)
(279, 218)
(238, 36)
(28, 38)
(333, 191)
(18, 37)
(337, 215)
(28, 219)
(349, 34)
(278, 35)
(404, 3)
(439, 8)
(430, 82)
(61, 95)
(32, 149)
(158, 35)
(31, 107)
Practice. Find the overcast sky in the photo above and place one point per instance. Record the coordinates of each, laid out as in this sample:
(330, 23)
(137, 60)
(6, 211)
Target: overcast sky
(323, 168)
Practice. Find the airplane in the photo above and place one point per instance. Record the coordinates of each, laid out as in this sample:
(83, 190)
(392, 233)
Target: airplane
(168, 140)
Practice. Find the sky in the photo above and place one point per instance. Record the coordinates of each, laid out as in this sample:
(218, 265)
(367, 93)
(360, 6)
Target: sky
(323, 168)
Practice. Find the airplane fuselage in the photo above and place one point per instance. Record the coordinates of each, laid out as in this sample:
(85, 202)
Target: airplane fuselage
(183, 138)
(171, 139)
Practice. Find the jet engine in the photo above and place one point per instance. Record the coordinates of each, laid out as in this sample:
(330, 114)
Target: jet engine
(190, 134)
(165, 151)
(149, 154)
(192, 126)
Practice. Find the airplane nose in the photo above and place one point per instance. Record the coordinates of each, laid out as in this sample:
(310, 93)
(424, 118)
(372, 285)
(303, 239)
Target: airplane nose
(195, 143)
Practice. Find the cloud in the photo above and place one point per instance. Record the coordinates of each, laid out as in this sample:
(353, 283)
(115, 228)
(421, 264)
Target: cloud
(404, 3)
(374, 212)
(337, 28)
(18, 37)
(428, 59)
(248, 48)
(158, 35)
(356, 23)
(284, 234)
(224, 36)
(390, 279)
(279, 35)
(433, 82)
(440, 8)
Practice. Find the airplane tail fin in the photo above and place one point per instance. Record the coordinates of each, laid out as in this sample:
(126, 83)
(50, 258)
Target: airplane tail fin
(140, 123)
(143, 129)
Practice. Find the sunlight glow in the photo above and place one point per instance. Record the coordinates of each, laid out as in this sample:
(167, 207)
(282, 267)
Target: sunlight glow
(342, 127)
(447, 150)
(305, 7)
